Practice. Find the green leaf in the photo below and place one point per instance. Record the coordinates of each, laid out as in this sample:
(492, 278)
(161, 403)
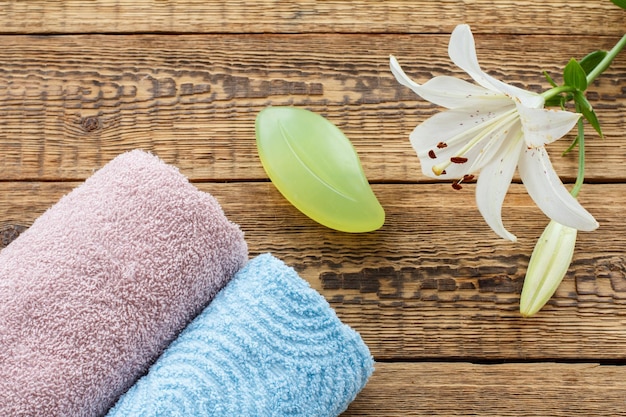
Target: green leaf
(314, 166)
(587, 111)
(550, 80)
(589, 62)
(574, 75)
(620, 3)
(571, 146)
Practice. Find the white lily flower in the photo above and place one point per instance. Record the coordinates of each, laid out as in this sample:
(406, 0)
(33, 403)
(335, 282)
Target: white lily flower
(492, 127)
(548, 265)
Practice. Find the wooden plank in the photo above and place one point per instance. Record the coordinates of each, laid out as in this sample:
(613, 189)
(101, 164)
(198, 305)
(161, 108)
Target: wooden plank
(68, 104)
(434, 282)
(464, 389)
(271, 16)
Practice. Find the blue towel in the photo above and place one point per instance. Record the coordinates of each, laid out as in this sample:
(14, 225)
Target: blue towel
(267, 345)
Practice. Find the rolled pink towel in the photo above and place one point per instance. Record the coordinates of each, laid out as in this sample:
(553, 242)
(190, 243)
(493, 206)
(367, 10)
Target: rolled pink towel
(98, 286)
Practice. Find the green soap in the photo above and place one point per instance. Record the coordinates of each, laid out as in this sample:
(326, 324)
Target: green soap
(316, 168)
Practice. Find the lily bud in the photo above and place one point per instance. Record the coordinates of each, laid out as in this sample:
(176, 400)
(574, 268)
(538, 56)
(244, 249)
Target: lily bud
(548, 265)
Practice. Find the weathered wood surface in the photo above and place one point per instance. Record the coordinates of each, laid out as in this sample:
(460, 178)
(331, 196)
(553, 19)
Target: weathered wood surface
(463, 389)
(434, 292)
(433, 282)
(69, 104)
(596, 17)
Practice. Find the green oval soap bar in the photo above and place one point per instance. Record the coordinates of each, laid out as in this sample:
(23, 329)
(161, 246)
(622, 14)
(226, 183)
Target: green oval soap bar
(314, 166)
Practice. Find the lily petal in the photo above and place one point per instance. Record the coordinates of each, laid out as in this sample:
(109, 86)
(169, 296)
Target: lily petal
(545, 187)
(401, 76)
(462, 51)
(493, 184)
(452, 93)
(526, 98)
(543, 126)
(449, 92)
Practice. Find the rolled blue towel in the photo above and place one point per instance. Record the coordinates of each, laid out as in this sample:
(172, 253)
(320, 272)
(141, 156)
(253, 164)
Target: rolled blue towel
(267, 345)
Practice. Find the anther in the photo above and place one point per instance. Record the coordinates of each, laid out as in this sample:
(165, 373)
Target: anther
(442, 145)
(432, 155)
(458, 159)
(456, 185)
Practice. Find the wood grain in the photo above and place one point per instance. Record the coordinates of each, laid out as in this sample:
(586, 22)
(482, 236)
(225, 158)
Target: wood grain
(68, 104)
(463, 389)
(273, 16)
(417, 288)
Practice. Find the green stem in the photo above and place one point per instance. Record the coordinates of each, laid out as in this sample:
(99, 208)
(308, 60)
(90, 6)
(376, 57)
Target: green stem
(606, 61)
(580, 176)
(599, 69)
(555, 91)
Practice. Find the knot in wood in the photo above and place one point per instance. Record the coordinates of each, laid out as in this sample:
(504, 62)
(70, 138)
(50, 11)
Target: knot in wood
(9, 233)
(90, 123)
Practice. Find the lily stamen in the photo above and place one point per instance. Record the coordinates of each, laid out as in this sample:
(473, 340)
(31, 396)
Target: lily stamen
(485, 129)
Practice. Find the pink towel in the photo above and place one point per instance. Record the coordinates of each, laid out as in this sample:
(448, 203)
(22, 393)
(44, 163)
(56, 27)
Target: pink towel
(97, 287)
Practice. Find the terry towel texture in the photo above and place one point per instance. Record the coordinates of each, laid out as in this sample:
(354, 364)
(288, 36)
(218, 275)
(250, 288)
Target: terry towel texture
(103, 281)
(267, 345)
